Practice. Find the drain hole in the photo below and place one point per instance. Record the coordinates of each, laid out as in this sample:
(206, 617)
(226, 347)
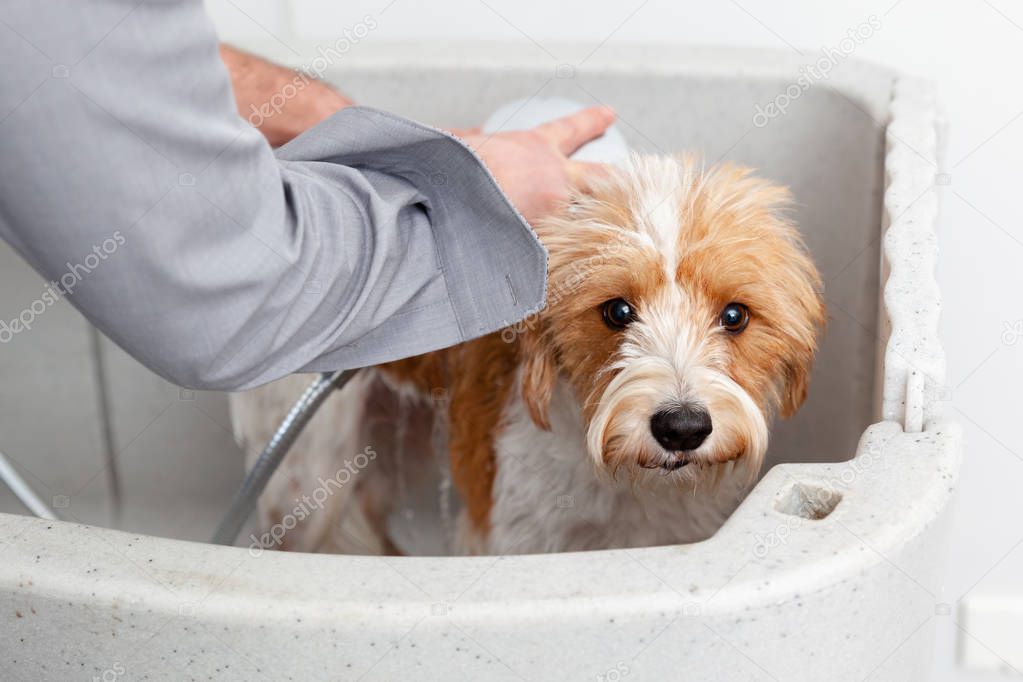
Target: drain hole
(808, 501)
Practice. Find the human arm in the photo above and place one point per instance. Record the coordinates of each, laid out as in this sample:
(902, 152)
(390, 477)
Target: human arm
(367, 239)
(281, 102)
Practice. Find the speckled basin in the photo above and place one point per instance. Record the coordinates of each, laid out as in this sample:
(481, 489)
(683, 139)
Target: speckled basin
(826, 572)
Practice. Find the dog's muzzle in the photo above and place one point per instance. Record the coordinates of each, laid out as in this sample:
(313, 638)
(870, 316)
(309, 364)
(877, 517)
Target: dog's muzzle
(680, 429)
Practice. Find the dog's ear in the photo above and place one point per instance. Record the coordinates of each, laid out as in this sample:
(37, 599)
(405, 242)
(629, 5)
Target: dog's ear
(539, 375)
(799, 365)
(795, 387)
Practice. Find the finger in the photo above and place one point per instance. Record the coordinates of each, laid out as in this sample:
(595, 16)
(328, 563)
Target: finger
(583, 174)
(571, 132)
(465, 132)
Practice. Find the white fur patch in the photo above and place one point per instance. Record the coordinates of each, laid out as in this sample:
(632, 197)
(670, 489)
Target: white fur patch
(550, 496)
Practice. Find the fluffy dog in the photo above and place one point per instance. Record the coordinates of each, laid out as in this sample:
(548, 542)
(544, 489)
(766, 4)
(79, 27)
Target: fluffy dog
(683, 312)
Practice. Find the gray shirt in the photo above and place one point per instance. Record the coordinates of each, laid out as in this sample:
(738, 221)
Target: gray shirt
(128, 180)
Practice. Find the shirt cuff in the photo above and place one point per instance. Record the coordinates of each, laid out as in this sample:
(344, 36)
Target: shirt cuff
(494, 267)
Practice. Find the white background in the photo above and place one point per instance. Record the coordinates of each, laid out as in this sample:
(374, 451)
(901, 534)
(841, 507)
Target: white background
(972, 49)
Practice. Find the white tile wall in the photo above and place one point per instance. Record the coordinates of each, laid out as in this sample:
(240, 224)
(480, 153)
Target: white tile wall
(50, 420)
(248, 20)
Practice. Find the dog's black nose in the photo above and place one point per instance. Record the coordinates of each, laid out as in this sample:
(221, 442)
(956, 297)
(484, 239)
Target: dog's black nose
(681, 428)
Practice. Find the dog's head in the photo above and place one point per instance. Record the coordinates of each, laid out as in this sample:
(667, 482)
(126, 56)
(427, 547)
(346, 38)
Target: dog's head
(682, 310)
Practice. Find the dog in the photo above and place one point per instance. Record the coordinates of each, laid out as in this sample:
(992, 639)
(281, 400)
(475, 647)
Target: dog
(683, 313)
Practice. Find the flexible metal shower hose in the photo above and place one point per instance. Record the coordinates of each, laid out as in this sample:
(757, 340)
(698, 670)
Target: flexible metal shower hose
(269, 460)
(23, 491)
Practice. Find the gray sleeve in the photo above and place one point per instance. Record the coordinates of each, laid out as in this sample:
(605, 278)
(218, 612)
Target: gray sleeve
(130, 183)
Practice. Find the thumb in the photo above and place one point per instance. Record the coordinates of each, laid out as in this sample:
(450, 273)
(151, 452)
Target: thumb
(568, 133)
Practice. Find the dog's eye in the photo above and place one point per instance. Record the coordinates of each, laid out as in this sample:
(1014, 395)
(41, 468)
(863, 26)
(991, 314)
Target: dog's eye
(618, 313)
(735, 317)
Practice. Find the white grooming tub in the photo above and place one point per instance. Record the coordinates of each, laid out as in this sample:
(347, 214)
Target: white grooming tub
(828, 570)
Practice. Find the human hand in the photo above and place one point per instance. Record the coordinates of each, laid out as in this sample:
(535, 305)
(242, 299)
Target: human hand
(532, 166)
(280, 102)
